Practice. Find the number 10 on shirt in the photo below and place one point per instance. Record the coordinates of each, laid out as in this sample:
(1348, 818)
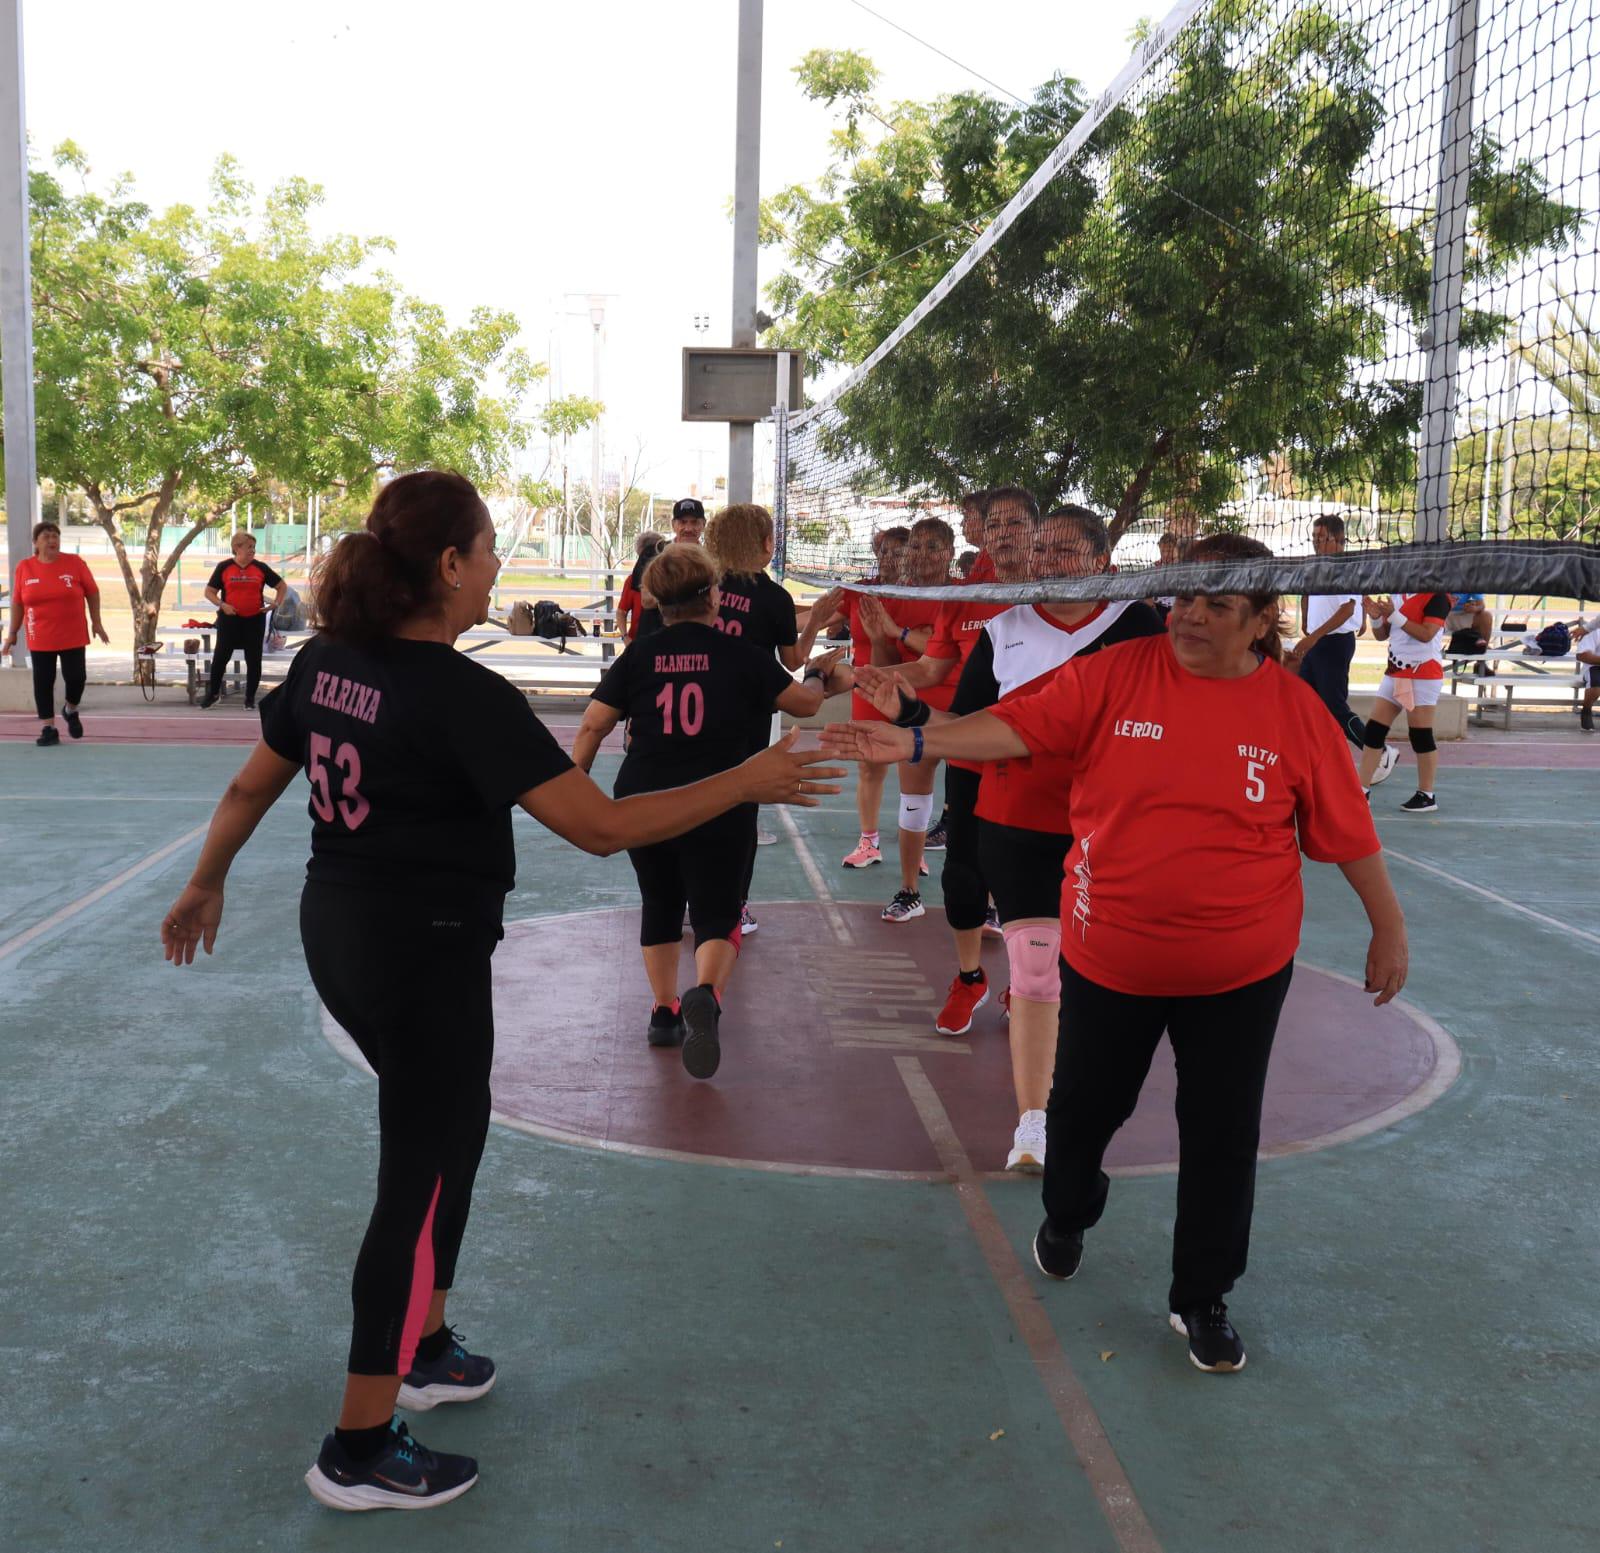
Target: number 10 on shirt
(691, 708)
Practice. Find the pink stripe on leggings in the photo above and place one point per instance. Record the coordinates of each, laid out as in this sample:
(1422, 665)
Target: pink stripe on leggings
(421, 1286)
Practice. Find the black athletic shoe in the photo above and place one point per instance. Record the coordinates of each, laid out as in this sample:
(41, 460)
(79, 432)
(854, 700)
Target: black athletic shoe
(47, 736)
(666, 1026)
(73, 721)
(1586, 719)
(249, 706)
(404, 1475)
(207, 702)
(455, 1376)
(1213, 1344)
(1057, 1255)
(1419, 803)
(702, 1047)
(938, 838)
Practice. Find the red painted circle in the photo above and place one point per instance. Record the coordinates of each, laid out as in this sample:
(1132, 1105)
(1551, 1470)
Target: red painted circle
(825, 1000)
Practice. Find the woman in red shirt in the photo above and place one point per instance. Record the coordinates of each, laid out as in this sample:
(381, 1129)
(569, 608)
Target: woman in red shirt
(1200, 769)
(631, 600)
(50, 592)
(238, 589)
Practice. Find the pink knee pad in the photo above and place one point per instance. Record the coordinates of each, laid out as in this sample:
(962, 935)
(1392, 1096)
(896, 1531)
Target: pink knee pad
(1034, 951)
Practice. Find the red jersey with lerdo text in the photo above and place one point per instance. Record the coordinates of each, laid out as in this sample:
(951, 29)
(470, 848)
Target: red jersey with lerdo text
(1410, 658)
(908, 614)
(1027, 647)
(415, 754)
(691, 694)
(54, 602)
(1192, 800)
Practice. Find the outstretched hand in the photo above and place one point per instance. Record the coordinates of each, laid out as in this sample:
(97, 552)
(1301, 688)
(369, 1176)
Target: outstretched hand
(876, 621)
(191, 923)
(873, 744)
(782, 774)
(883, 688)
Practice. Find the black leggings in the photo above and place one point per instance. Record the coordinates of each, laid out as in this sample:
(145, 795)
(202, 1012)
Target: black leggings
(241, 633)
(966, 896)
(1326, 669)
(1221, 1044)
(74, 675)
(413, 993)
(1023, 869)
(705, 870)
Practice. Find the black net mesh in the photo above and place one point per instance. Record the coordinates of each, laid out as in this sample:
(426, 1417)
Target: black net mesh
(1300, 260)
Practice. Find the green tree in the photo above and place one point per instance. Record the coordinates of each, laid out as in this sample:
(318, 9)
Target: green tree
(186, 359)
(1210, 285)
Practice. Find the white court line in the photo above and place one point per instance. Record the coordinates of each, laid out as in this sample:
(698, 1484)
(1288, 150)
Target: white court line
(1499, 900)
(819, 885)
(210, 798)
(11, 946)
(1406, 823)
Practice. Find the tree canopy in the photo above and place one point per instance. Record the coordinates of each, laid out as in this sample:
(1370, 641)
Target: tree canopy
(1216, 279)
(188, 359)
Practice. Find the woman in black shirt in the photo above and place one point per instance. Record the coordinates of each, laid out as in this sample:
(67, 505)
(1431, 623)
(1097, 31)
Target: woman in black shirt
(755, 609)
(415, 755)
(691, 694)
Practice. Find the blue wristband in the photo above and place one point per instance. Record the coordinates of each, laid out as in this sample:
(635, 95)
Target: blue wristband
(916, 746)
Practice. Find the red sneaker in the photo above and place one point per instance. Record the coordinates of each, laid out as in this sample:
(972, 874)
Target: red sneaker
(964, 1000)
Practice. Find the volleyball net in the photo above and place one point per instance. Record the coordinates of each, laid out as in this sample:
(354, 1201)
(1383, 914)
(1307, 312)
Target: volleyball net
(1298, 260)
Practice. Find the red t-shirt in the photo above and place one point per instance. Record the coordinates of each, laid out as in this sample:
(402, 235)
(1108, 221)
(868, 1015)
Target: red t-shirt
(909, 614)
(629, 603)
(959, 626)
(982, 568)
(1192, 800)
(54, 602)
(242, 587)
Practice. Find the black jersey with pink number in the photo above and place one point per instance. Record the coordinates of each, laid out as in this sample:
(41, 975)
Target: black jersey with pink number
(415, 755)
(757, 610)
(689, 693)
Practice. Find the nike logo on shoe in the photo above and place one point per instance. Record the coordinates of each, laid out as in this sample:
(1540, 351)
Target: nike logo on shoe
(419, 1488)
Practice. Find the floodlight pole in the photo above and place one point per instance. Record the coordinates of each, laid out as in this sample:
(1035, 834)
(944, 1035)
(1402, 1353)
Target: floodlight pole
(16, 296)
(1443, 338)
(746, 222)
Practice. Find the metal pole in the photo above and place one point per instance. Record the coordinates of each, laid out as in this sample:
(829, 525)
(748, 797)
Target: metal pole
(16, 295)
(780, 469)
(746, 222)
(1443, 335)
(597, 525)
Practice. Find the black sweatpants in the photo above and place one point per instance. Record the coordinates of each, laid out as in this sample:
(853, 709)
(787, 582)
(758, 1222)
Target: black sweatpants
(1221, 1044)
(1326, 669)
(74, 676)
(705, 869)
(410, 984)
(966, 896)
(241, 633)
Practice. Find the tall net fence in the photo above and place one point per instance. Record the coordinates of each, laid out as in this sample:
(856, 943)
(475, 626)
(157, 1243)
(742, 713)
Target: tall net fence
(1298, 260)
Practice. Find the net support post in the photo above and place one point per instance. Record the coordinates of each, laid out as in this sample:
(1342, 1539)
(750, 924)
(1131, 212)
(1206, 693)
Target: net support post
(1443, 338)
(780, 468)
(16, 295)
(746, 230)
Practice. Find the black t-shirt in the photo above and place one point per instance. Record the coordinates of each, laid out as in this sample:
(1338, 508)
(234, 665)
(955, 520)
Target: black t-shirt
(690, 694)
(243, 587)
(415, 756)
(758, 611)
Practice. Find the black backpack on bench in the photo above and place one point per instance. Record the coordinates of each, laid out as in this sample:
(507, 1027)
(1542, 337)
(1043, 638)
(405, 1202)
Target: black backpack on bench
(554, 624)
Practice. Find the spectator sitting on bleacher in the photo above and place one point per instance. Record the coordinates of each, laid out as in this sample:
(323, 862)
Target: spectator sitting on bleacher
(1470, 624)
(1588, 655)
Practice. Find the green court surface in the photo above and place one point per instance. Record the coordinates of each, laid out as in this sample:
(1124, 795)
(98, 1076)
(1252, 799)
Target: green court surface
(700, 1357)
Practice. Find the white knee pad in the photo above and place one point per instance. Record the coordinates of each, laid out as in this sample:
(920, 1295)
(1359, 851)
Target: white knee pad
(1033, 950)
(916, 811)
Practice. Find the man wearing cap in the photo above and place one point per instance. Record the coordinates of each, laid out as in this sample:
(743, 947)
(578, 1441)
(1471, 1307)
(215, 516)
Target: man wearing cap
(688, 524)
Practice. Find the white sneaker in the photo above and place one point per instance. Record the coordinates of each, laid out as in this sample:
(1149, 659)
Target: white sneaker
(1386, 763)
(1027, 1147)
(747, 923)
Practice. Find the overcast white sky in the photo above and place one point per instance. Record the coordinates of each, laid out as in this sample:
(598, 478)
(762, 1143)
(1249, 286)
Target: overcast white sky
(516, 153)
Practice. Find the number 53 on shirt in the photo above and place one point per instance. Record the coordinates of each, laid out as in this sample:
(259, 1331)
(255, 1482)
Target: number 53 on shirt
(351, 806)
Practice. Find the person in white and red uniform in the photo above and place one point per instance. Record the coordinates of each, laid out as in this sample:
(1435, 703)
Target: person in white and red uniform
(1023, 826)
(1200, 771)
(1413, 626)
(50, 592)
(238, 589)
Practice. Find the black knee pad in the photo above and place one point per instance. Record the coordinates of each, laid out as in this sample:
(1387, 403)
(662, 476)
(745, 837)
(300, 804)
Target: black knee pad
(1423, 741)
(1376, 735)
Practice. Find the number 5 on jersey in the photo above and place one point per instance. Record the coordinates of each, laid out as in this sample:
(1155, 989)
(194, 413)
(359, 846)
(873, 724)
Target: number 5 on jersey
(1255, 786)
(691, 708)
(352, 806)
